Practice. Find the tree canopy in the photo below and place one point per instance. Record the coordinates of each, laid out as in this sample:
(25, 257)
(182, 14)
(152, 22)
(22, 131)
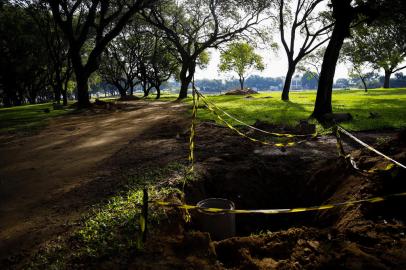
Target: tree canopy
(241, 58)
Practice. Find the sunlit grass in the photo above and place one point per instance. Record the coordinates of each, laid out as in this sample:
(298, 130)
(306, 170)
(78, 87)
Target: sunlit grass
(111, 230)
(27, 118)
(388, 104)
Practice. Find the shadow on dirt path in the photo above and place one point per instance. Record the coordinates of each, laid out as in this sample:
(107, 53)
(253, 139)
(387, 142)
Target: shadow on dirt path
(39, 174)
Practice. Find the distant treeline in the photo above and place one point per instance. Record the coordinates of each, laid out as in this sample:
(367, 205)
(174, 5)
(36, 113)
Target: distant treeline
(260, 83)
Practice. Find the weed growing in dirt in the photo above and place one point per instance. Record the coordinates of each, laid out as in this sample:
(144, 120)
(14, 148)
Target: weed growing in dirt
(112, 230)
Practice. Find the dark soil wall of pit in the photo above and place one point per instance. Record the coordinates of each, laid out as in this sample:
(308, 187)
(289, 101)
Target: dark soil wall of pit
(274, 182)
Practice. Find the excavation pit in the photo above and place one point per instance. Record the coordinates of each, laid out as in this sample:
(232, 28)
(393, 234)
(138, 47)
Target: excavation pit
(264, 186)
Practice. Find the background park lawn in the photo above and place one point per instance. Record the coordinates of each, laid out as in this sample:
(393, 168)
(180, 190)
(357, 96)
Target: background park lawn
(388, 104)
(27, 118)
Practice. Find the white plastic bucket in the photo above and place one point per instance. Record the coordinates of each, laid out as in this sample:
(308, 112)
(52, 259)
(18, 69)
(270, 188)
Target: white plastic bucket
(220, 225)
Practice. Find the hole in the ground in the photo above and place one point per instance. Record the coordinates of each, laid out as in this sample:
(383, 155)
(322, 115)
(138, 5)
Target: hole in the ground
(266, 186)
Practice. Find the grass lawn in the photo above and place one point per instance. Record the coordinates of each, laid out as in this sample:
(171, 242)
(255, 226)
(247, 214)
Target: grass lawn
(27, 118)
(389, 104)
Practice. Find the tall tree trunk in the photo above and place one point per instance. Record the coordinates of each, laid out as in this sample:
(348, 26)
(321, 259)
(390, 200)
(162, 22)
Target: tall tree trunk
(131, 84)
(158, 91)
(64, 97)
(186, 75)
(58, 86)
(82, 90)
(82, 78)
(328, 68)
(121, 90)
(386, 83)
(288, 81)
(145, 89)
(364, 83)
(242, 80)
(65, 92)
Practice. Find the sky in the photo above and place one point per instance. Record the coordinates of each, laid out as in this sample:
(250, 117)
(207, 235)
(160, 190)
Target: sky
(276, 66)
(276, 62)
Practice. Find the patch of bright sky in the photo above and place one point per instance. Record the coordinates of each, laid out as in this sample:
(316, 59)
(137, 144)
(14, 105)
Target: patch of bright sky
(275, 62)
(276, 66)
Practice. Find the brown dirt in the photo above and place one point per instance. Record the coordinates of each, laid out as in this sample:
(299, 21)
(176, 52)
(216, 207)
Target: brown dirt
(244, 91)
(47, 181)
(370, 236)
(252, 175)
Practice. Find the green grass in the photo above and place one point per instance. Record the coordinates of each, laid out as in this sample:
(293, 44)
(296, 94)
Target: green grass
(111, 231)
(27, 118)
(389, 104)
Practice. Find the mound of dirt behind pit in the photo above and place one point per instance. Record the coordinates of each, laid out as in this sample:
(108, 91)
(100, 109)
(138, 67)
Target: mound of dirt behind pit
(245, 91)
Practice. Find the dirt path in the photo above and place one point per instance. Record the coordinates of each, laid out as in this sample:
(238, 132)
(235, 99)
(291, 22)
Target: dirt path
(39, 174)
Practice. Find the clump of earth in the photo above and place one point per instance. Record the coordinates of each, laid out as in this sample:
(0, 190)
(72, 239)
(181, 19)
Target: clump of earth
(245, 91)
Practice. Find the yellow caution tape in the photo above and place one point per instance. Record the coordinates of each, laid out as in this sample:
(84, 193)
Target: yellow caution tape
(210, 108)
(287, 135)
(339, 128)
(193, 129)
(277, 211)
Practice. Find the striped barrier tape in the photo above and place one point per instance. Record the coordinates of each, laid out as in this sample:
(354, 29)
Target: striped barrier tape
(252, 127)
(339, 128)
(278, 211)
(210, 108)
(193, 129)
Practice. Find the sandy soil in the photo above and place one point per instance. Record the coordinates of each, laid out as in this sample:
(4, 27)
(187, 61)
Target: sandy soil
(49, 179)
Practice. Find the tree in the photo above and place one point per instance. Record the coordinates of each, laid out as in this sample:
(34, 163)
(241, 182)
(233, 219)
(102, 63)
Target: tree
(162, 65)
(299, 18)
(309, 80)
(310, 65)
(360, 67)
(344, 14)
(379, 45)
(121, 57)
(241, 58)
(95, 20)
(24, 62)
(196, 25)
(57, 49)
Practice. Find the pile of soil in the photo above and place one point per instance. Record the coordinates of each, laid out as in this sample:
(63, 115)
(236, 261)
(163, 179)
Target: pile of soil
(129, 98)
(245, 91)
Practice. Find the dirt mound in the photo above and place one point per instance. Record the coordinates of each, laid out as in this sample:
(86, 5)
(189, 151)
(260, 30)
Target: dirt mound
(245, 91)
(302, 128)
(129, 98)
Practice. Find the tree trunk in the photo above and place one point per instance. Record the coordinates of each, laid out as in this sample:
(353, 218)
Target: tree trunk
(186, 75)
(65, 92)
(58, 87)
(82, 90)
(158, 91)
(145, 89)
(288, 82)
(131, 84)
(364, 83)
(386, 83)
(64, 97)
(121, 90)
(340, 32)
(242, 82)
